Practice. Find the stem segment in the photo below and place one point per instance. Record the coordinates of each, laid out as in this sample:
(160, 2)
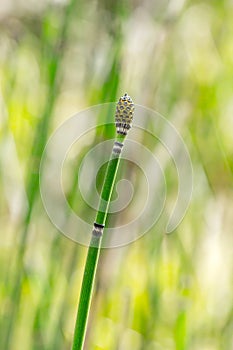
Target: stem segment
(124, 115)
(86, 291)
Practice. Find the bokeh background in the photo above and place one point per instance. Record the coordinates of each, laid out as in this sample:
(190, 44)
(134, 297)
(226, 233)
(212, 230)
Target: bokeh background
(162, 292)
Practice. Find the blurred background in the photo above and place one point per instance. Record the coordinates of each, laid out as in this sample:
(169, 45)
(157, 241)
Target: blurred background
(58, 57)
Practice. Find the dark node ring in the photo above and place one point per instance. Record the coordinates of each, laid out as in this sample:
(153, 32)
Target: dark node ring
(98, 225)
(98, 230)
(119, 143)
(117, 147)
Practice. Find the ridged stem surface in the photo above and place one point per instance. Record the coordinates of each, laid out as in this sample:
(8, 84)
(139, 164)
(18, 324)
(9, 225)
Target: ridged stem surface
(94, 250)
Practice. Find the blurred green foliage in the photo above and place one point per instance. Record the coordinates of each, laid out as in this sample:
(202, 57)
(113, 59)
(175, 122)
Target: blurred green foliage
(58, 57)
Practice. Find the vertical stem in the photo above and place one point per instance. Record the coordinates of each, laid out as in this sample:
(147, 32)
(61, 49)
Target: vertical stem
(124, 114)
(32, 182)
(94, 250)
(86, 292)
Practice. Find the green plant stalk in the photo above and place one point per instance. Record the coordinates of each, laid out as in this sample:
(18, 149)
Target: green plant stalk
(93, 254)
(94, 248)
(32, 182)
(85, 296)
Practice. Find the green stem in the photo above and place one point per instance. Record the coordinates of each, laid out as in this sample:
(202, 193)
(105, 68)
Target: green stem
(94, 248)
(123, 120)
(32, 182)
(86, 291)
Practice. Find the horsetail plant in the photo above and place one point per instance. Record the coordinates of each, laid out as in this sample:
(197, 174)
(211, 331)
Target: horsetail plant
(123, 122)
